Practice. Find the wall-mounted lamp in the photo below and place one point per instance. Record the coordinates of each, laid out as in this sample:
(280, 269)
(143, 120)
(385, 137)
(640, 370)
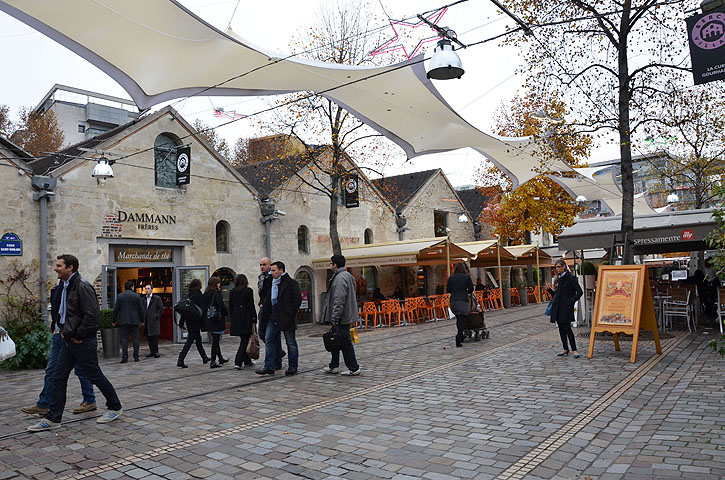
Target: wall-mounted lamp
(463, 218)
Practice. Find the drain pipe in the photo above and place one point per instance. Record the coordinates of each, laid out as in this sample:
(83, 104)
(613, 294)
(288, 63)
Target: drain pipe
(268, 209)
(44, 186)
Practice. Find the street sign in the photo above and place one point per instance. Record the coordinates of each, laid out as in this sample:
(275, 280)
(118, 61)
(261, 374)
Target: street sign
(11, 245)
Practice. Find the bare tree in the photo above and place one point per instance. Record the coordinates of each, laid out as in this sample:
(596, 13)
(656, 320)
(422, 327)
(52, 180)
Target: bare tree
(610, 61)
(216, 141)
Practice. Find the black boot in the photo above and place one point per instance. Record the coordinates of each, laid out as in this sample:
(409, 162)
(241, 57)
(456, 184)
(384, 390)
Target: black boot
(180, 363)
(214, 365)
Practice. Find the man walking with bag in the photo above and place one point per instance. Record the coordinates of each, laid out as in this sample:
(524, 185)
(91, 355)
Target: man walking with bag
(341, 312)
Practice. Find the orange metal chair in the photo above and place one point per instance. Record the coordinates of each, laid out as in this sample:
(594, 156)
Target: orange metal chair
(369, 310)
(428, 307)
(515, 300)
(532, 295)
(495, 299)
(446, 305)
(388, 310)
(410, 309)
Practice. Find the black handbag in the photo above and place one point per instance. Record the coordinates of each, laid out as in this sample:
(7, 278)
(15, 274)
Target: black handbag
(333, 340)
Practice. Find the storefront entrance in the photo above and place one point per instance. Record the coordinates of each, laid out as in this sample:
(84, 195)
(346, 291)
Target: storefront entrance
(306, 312)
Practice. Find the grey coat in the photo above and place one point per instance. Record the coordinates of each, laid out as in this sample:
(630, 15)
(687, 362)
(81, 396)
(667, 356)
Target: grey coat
(340, 302)
(128, 309)
(153, 313)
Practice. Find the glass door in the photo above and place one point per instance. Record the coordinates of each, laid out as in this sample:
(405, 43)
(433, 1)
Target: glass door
(108, 286)
(305, 313)
(182, 278)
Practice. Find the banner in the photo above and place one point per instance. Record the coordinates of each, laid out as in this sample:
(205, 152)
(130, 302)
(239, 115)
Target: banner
(706, 35)
(183, 165)
(351, 184)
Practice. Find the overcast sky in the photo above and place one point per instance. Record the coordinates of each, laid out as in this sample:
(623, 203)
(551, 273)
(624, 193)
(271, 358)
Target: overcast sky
(33, 64)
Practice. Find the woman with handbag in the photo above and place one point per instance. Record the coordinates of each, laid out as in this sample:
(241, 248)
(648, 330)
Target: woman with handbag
(243, 317)
(194, 326)
(216, 316)
(567, 293)
(460, 286)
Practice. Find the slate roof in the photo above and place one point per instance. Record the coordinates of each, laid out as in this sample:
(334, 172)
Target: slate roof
(473, 200)
(45, 165)
(21, 154)
(400, 189)
(268, 175)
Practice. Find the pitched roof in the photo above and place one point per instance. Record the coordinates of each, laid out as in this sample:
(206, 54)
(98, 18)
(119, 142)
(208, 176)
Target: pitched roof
(21, 156)
(45, 165)
(473, 200)
(268, 175)
(400, 189)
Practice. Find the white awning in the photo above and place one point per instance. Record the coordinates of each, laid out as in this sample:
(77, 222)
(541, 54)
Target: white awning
(162, 51)
(379, 254)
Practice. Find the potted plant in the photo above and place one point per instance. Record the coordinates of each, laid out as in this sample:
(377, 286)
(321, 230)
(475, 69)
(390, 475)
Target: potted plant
(523, 292)
(590, 274)
(110, 335)
(506, 292)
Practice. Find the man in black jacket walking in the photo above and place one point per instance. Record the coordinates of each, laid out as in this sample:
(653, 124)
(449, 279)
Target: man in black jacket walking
(128, 312)
(80, 319)
(279, 312)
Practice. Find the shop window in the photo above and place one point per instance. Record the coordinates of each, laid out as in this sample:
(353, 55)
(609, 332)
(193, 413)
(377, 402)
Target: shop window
(227, 277)
(366, 283)
(165, 147)
(368, 236)
(303, 239)
(222, 237)
(440, 223)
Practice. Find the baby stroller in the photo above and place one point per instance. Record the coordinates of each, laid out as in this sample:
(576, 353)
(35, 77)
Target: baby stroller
(474, 326)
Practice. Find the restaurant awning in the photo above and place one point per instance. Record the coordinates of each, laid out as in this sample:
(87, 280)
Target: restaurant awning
(665, 232)
(485, 253)
(427, 251)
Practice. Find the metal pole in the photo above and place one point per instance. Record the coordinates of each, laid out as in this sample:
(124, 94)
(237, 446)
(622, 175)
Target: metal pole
(538, 275)
(43, 257)
(448, 255)
(498, 255)
(267, 237)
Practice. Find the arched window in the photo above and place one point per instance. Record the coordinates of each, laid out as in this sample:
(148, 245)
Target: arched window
(165, 160)
(303, 239)
(222, 236)
(368, 236)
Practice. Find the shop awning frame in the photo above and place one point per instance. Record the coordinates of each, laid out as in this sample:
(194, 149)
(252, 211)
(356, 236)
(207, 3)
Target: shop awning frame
(428, 251)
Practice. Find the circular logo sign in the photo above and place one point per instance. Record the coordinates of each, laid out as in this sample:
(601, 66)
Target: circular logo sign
(709, 32)
(351, 185)
(182, 163)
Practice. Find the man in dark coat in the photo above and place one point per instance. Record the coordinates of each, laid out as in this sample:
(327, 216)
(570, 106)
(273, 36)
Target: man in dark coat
(128, 312)
(264, 287)
(80, 318)
(566, 295)
(279, 312)
(153, 307)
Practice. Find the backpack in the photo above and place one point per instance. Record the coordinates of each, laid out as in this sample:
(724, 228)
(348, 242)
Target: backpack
(188, 311)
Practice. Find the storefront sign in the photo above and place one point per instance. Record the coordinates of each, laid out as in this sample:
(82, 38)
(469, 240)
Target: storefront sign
(351, 184)
(183, 165)
(343, 240)
(146, 221)
(623, 304)
(305, 301)
(142, 254)
(706, 34)
(11, 245)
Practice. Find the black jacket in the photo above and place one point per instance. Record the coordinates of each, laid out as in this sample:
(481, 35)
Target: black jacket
(128, 309)
(83, 315)
(243, 312)
(289, 300)
(218, 324)
(460, 286)
(191, 324)
(55, 294)
(152, 314)
(566, 295)
(264, 293)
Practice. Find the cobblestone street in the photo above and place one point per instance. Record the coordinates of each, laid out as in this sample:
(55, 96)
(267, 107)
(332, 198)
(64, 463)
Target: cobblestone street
(506, 407)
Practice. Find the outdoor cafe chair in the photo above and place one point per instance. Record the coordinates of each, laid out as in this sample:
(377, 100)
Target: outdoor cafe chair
(481, 298)
(679, 306)
(369, 310)
(410, 309)
(388, 310)
(532, 295)
(515, 300)
(428, 307)
(442, 304)
(495, 297)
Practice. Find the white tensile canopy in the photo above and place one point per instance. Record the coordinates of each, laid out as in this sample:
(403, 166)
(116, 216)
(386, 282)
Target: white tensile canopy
(160, 51)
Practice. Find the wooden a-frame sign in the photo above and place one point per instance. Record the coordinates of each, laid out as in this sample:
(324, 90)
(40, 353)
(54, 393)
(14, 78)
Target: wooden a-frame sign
(623, 304)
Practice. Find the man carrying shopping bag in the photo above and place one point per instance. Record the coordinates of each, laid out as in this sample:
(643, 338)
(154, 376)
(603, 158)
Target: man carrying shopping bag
(341, 312)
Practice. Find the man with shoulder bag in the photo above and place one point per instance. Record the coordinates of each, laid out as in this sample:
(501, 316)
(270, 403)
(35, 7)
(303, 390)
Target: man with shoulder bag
(341, 312)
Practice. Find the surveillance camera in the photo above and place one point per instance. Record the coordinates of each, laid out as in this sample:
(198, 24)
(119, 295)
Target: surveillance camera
(280, 212)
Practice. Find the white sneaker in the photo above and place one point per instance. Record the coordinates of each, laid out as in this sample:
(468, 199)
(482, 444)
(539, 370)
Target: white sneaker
(43, 425)
(331, 370)
(237, 367)
(109, 416)
(349, 373)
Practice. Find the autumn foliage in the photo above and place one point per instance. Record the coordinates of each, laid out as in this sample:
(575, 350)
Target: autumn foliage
(36, 133)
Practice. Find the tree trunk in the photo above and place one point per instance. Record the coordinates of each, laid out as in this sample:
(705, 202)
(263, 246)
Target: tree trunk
(625, 145)
(334, 237)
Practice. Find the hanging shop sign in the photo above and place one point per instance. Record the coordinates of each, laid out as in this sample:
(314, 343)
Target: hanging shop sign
(623, 304)
(706, 35)
(183, 165)
(351, 185)
(132, 254)
(11, 245)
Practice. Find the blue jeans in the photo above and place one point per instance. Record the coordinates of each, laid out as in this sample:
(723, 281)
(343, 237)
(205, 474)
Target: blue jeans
(348, 351)
(271, 342)
(46, 395)
(85, 355)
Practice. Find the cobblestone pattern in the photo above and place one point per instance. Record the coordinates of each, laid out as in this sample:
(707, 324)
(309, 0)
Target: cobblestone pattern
(421, 409)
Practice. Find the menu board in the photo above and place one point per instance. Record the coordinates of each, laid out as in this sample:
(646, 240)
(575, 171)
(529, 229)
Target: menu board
(623, 304)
